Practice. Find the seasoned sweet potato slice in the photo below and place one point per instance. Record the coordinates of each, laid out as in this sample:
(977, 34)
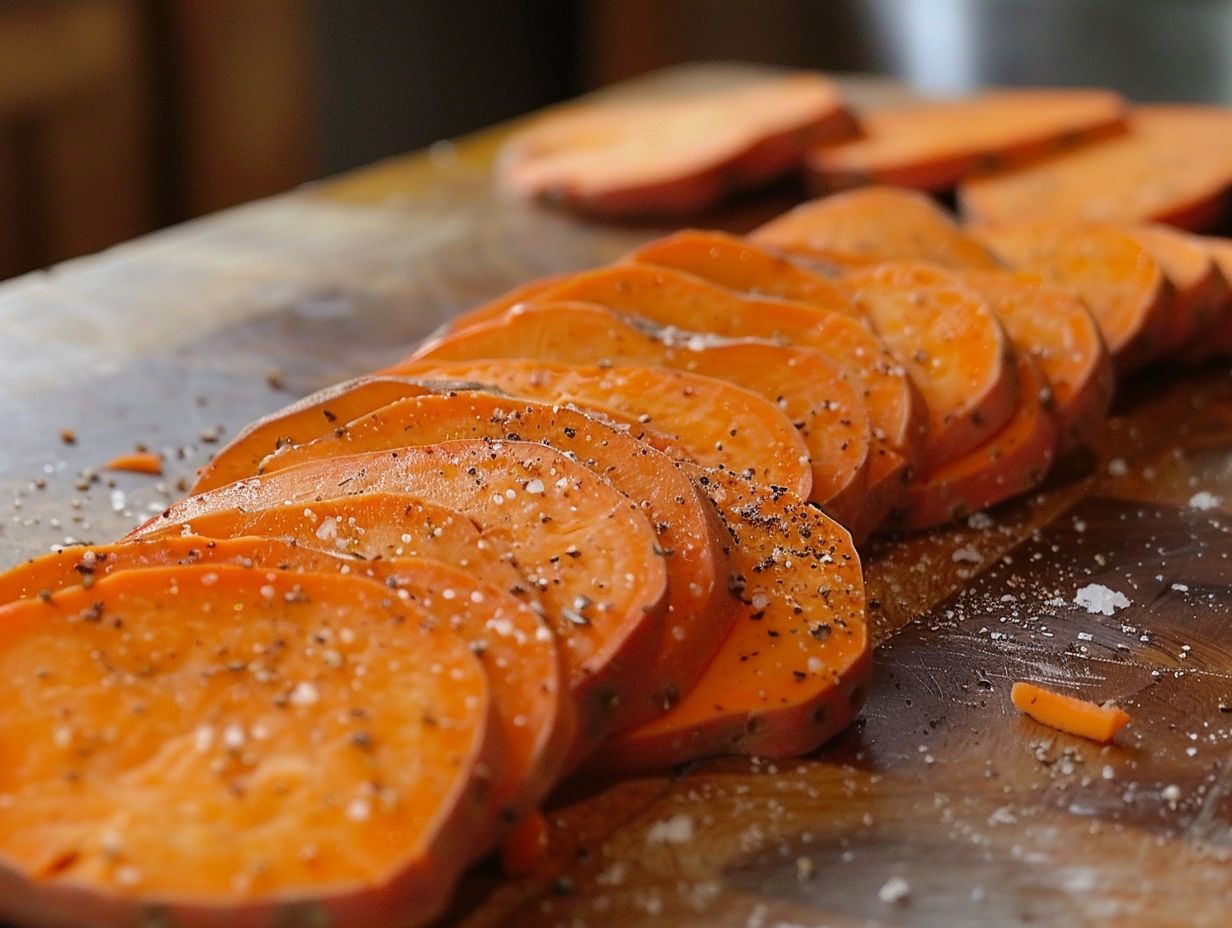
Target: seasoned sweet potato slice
(795, 666)
(819, 399)
(301, 420)
(498, 306)
(673, 298)
(585, 548)
(675, 155)
(1200, 289)
(954, 348)
(1171, 166)
(373, 527)
(1013, 461)
(1054, 325)
(685, 415)
(178, 741)
(700, 607)
(1123, 286)
(932, 145)
(872, 225)
(739, 264)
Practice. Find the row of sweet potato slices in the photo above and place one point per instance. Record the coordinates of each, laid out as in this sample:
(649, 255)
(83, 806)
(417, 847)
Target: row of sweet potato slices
(569, 531)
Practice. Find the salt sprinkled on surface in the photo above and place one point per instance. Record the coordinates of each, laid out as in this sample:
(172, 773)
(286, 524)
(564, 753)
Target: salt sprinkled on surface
(895, 890)
(1204, 500)
(1098, 599)
(676, 830)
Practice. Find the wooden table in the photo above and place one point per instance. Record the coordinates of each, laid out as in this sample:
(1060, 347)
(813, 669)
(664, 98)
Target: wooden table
(940, 807)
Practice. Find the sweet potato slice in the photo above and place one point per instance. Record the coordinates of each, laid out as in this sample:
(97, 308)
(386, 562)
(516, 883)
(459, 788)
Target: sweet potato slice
(872, 225)
(671, 156)
(524, 667)
(738, 264)
(586, 549)
(933, 145)
(794, 668)
(176, 741)
(819, 399)
(1200, 289)
(86, 564)
(1171, 166)
(673, 298)
(699, 606)
(1013, 461)
(1122, 285)
(1054, 325)
(1214, 339)
(300, 421)
(953, 346)
(498, 306)
(373, 527)
(685, 415)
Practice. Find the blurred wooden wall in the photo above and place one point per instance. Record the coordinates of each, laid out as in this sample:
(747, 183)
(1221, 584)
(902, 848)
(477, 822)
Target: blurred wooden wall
(120, 116)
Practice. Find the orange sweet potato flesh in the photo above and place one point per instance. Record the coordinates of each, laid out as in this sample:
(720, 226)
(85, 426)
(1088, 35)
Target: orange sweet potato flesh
(1069, 714)
(871, 225)
(675, 155)
(585, 548)
(953, 346)
(933, 145)
(738, 264)
(691, 542)
(794, 668)
(1055, 327)
(1011, 462)
(1123, 286)
(137, 462)
(1200, 289)
(824, 405)
(303, 419)
(674, 298)
(1214, 339)
(146, 772)
(524, 666)
(372, 527)
(1171, 166)
(685, 415)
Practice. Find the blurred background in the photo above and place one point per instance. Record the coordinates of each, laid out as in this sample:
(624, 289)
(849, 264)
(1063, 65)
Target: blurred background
(121, 116)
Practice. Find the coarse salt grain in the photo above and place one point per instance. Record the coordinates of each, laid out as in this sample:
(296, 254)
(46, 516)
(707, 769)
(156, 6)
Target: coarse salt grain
(1098, 599)
(676, 830)
(1204, 501)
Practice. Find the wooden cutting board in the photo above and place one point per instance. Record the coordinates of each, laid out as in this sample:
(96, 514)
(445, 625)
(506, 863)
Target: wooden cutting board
(940, 807)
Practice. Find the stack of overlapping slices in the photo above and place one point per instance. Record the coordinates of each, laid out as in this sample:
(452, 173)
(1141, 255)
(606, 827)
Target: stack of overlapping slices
(604, 522)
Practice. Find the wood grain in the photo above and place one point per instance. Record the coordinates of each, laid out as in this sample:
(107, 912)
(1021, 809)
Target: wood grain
(987, 818)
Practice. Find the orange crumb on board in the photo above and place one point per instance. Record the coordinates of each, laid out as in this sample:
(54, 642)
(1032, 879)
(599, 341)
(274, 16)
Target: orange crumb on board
(139, 462)
(525, 846)
(1065, 713)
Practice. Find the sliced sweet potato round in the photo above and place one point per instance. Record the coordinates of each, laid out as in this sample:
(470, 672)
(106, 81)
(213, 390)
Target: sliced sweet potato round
(685, 415)
(818, 398)
(1214, 339)
(674, 298)
(1200, 289)
(739, 264)
(303, 419)
(700, 607)
(1013, 461)
(373, 527)
(794, 669)
(1171, 166)
(932, 145)
(588, 552)
(954, 348)
(872, 225)
(1123, 286)
(675, 155)
(178, 742)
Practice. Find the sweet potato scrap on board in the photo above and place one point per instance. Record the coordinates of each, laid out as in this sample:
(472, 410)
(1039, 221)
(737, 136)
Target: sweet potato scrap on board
(1068, 714)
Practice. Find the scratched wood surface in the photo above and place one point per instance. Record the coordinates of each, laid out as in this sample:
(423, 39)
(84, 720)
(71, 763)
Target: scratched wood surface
(940, 807)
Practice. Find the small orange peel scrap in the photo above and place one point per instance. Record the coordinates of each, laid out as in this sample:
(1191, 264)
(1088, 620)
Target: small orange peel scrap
(1065, 713)
(138, 462)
